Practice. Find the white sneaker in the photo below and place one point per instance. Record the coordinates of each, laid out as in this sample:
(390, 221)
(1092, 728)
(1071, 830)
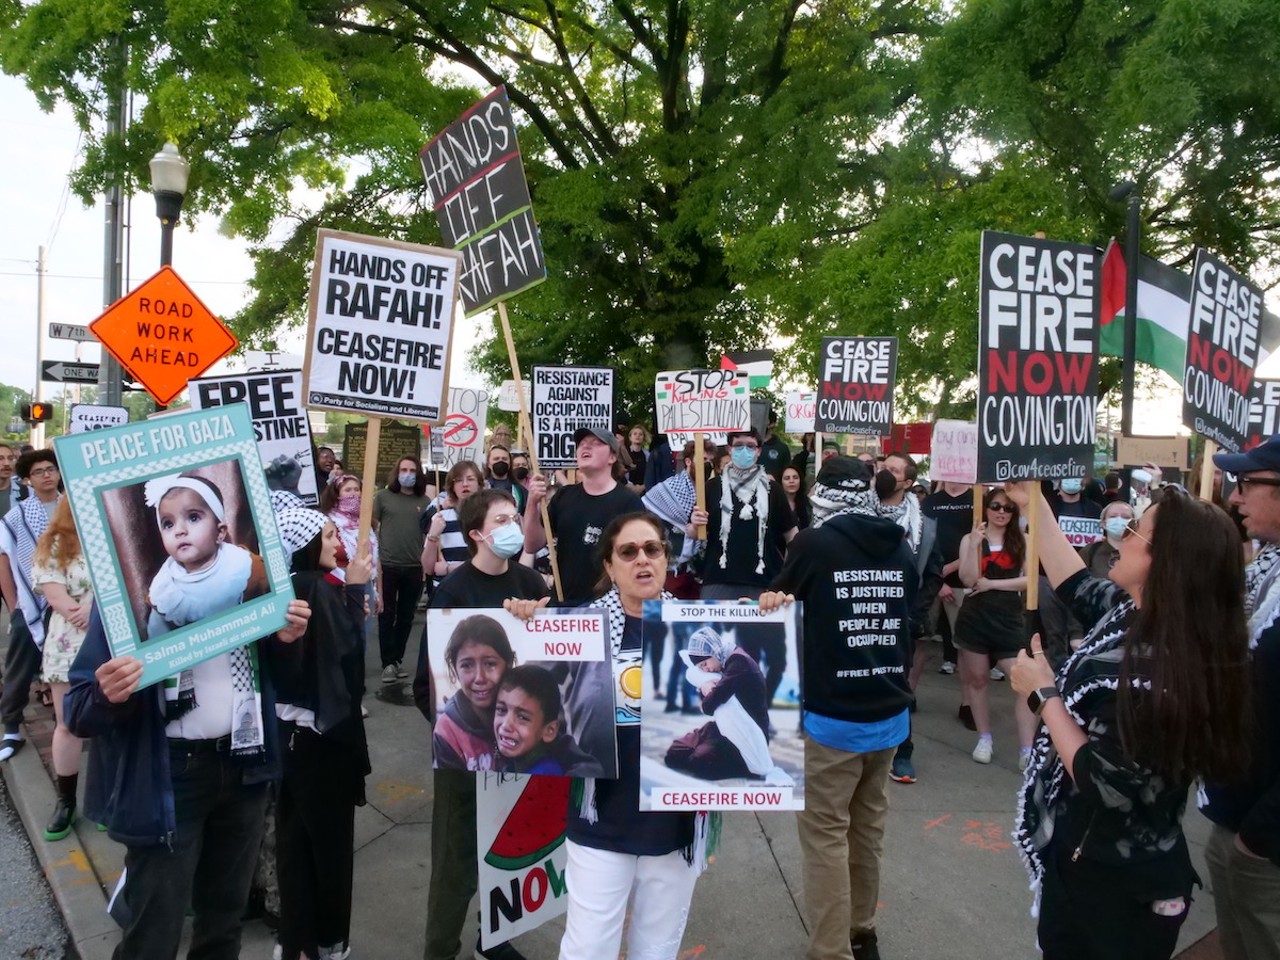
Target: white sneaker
(402, 674)
(997, 673)
(947, 667)
(982, 752)
(389, 673)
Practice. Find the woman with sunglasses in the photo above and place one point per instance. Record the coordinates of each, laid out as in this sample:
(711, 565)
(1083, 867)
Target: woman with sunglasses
(990, 621)
(1155, 697)
(616, 853)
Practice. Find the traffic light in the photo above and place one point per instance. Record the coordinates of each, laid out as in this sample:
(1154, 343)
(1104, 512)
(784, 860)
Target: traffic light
(37, 412)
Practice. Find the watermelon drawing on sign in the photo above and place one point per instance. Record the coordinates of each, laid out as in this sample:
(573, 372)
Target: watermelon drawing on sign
(534, 827)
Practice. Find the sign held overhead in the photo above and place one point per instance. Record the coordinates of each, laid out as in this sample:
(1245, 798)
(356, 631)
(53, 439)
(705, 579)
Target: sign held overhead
(855, 385)
(566, 399)
(713, 402)
(478, 190)
(380, 327)
(1037, 358)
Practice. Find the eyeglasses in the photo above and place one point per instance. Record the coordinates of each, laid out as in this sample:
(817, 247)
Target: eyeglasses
(503, 519)
(1002, 508)
(1131, 530)
(653, 549)
(1242, 481)
(42, 471)
(746, 446)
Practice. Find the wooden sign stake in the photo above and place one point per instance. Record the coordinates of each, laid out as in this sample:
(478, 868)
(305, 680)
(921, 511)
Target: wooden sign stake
(526, 425)
(1206, 471)
(367, 481)
(699, 480)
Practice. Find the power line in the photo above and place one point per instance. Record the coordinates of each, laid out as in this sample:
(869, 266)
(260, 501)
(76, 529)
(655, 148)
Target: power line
(75, 276)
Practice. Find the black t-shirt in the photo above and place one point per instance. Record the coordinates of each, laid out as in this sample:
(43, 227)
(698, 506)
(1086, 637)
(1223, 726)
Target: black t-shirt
(955, 519)
(577, 520)
(620, 826)
(743, 553)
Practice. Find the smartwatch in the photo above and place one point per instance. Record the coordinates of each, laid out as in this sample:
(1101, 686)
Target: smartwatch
(1038, 698)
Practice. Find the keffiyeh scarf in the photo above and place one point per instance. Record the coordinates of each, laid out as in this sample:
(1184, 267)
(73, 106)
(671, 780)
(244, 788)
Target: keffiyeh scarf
(673, 499)
(26, 520)
(744, 494)
(907, 515)
(1091, 673)
(828, 502)
(1262, 591)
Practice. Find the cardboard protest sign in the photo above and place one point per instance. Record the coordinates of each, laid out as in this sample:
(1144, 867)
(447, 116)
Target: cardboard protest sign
(279, 422)
(1222, 352)
(509, 397)
(1080, 531)
(1264, 413)
(182, 547)
(380, 326)
(1037, 358)
(953, 458)
(855, 385)
(723, 759)
(463, 429)
(801, 406)
(518, 696)
(398, 440)
(1173, 451)
(478, 190)
(565, 399)
(714, 402)
(92, 416)
(435, 445)
(520, 832)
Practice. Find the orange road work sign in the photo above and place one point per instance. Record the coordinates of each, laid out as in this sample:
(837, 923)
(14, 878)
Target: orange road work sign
(163, 335)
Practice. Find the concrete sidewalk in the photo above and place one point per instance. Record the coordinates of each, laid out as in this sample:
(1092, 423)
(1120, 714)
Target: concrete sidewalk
(952, 885)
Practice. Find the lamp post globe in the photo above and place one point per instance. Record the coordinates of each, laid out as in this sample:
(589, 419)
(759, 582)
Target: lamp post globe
(169, 175)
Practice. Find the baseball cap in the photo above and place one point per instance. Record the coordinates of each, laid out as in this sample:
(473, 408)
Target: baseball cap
(1265, 456)
(600, 433)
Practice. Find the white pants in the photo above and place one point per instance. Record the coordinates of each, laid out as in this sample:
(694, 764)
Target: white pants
(600, 884)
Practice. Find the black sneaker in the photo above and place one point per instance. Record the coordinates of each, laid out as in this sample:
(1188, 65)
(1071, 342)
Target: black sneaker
(500, 951)
(64, 815)
(864, 945)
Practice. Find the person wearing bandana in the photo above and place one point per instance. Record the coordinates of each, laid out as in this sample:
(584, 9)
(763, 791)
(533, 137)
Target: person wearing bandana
(181, 781)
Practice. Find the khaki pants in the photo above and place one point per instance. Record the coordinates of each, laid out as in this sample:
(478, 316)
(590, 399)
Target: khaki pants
(841, 829)
(1246, 897)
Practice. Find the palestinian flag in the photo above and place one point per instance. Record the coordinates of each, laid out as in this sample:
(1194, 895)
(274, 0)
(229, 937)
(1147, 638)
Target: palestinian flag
(756, 364)
(1164, 310)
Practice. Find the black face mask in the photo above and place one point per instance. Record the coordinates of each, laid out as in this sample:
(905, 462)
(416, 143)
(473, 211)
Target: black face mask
(499, 469)
(886, 484)
(520, 474)
(708, 471)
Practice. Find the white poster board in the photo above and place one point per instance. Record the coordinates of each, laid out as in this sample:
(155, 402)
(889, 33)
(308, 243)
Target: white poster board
(800, 409)
(712, 402)
(280, 423)
(381, 323)
(92, 416)
(566, 399)
(463, 429)
(953, 457)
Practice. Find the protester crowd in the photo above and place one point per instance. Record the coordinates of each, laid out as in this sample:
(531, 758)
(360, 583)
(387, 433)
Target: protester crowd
(1153, 669)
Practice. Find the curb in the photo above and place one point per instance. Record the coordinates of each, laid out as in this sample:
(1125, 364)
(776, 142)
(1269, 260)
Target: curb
(66, 864)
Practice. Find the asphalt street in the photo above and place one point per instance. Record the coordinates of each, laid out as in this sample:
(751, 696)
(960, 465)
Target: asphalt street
(31, 926)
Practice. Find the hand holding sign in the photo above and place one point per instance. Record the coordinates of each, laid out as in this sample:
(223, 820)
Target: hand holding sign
(118, 678)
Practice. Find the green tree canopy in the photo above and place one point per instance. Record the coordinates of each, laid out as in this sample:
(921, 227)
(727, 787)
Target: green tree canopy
(707, 176)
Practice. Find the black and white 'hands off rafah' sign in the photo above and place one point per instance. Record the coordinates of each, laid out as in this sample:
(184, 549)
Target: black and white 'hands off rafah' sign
(565, 399)
(477, 185)
(381, 325)
(855, 385)
(1222, 351)
(1037, 358)
(712, 402)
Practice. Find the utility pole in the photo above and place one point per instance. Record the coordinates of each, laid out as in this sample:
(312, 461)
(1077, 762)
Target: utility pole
(110, 374)
(37, 429)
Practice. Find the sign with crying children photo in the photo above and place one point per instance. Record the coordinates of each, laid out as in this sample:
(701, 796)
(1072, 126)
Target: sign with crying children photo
(182, 547)
(728, 737)
(517, 696)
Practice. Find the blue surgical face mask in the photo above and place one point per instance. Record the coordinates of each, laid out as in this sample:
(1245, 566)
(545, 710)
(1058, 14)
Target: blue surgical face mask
(1115, 526)
(507, 541)
(743, 457)
(408, 478)
(1072, 485)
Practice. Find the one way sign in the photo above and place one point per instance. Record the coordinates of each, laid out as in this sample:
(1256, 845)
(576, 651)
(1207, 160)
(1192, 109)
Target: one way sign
(59, 371)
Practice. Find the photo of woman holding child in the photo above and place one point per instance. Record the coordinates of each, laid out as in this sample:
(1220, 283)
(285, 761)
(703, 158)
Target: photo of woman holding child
(496, 714)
